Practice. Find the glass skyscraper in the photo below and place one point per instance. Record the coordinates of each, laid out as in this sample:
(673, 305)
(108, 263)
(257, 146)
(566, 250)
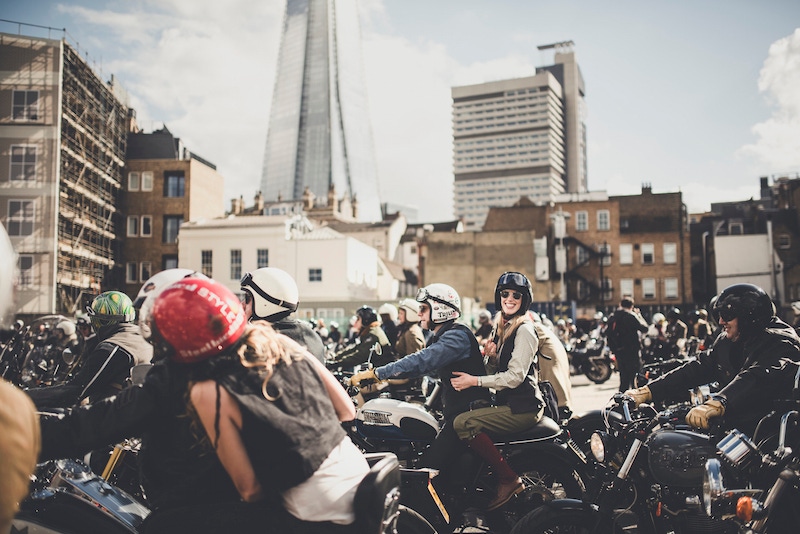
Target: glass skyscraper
(319, 130)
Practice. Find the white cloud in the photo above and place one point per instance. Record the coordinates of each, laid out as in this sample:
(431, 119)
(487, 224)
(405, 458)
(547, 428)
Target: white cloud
(778, 144)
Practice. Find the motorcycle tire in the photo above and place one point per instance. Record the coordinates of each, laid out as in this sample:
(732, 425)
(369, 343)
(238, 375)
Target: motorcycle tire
(411, 522)
(546, 520)
(598, 371)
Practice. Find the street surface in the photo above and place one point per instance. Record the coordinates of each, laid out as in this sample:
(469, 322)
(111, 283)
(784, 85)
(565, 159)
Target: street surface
(586, 395)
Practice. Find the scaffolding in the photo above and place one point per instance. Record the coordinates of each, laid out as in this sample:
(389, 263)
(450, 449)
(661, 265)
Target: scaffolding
(93, 144)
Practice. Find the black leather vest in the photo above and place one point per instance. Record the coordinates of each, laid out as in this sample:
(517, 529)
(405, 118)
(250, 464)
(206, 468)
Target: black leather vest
(526, 397)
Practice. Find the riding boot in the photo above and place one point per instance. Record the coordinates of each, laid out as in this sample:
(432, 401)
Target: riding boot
(509, 483)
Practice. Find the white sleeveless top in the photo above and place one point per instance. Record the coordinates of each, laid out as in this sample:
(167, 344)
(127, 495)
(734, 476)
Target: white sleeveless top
(328, 494)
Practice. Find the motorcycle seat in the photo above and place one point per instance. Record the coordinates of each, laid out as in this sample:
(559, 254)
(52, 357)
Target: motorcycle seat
(545, 429)
(377, 498)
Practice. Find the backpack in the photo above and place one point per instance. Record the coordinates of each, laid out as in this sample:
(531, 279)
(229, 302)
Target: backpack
(614, 334)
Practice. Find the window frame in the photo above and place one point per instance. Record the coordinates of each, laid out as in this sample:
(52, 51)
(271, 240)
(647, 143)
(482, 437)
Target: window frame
(149, 176)
(22, 220)
(134, 180)
(25, 275)
(652, 253)
(179, 188)
(626, 253)
(582, 221)
(207, 262)
(315, 274)
(626, 286)
(24, 109)
(259, 253)
(132, 226)
(670, 256)
(149, 219)
(26, 149)
(166, 228)
(236, 264)
(669, 283)
(646, 284)
(603, 220)
(131, 267)
(145, 270)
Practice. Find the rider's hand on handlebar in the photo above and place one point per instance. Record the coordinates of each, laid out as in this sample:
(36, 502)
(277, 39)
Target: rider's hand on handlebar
(640, 395)
(699, 415)
(368, 375)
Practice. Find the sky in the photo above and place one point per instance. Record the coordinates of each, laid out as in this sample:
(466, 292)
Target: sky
(699, 97)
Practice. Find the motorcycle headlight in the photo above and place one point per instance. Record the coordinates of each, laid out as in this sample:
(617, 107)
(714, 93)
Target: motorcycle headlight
(598, 444)
(713, 486)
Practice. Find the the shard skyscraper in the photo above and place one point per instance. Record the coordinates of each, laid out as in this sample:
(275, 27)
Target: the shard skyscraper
(319, 129)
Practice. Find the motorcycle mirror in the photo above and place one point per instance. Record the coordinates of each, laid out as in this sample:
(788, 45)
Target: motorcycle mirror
(68, 356)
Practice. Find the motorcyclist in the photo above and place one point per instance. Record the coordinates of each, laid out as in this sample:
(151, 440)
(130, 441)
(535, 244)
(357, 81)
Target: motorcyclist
(754, 360)
(389, 315)
(19, 437)
(554, 365)
(271, 294)
(410, 337)
(373, 345)
(105, 370)
(701, 329)
(66, 337)
(485, 326)
(240, 426)
(677, 331)
(453, 347)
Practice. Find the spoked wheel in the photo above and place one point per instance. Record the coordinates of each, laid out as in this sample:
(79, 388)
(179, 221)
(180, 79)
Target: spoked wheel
(598, 371)
(546, 520)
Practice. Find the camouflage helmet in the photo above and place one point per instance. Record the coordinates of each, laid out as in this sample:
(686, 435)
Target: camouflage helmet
(109, 308)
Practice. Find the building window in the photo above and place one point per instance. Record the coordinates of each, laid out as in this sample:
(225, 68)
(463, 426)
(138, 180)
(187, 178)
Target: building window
(671, 288)
(169, 261)
(581, 255)
(133, 226)
(131, 271)
(21, 215)
(581, 221)
(603, 220)
(147, 181)
(133, 181)
(735, 228)
(145, 268)
(236, 264)
(172, 223)
(25, 106)
(649, 288)
(262, 258)
(605, 250)
(315, 275)
(23, 163)
(648, 254)
(25, 268)
(146, 228)
(583, 290)
(670, 253)
(626, 286)
(206, 260)
(174, 184)
(625, 254)
(784, 241)
(608, 288)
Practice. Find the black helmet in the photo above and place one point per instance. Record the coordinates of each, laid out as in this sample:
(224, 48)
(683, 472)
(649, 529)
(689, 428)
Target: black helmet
(518, 282)
(674, 313)
(746, 302)
(367, 315)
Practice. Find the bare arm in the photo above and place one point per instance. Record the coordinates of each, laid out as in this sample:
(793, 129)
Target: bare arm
(230, 449)
(342, 402)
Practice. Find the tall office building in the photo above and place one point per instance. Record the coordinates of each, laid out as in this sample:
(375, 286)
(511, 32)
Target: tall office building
(525, 136)
(319, 130)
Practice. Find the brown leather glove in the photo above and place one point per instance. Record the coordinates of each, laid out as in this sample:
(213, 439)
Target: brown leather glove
(368, 376)
(640, 395)
(699, 415)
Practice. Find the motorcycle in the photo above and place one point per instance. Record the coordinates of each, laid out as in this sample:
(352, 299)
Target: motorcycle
(592, 357)
(67, 497)
(550, 464)
(653, 481)
(756, 482)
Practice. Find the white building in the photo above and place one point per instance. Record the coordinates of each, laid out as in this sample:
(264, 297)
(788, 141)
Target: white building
(335, 273)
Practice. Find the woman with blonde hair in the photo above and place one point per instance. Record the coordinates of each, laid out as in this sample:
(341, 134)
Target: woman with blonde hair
(239, 425)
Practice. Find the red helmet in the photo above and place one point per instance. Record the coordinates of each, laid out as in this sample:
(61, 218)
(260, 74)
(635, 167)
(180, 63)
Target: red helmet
(198, 318)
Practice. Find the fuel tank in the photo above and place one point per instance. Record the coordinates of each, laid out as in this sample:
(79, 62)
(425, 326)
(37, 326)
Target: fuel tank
(395, 419)
(677, 457)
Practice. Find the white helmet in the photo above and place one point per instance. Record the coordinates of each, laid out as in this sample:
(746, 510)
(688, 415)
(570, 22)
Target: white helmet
(160, 279)
(658, 318)
(152, 289)
(8, 278)
(443, 300)
(66, 326)
(411, 307)
(388, 309)
(274, 291)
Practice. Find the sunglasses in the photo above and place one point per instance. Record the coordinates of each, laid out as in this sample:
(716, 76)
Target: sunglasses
(246, 297)
(726, 315)
(516, 294)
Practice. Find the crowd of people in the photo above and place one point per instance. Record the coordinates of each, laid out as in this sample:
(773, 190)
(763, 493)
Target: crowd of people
(234, 439)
